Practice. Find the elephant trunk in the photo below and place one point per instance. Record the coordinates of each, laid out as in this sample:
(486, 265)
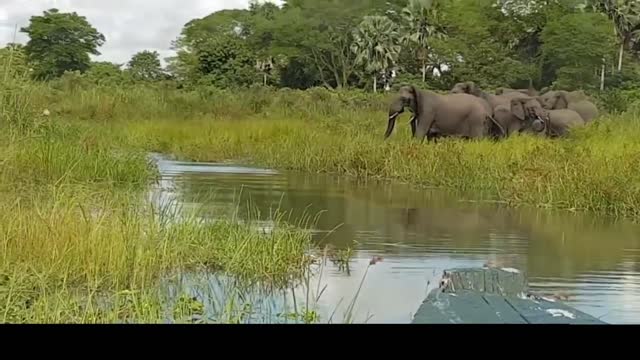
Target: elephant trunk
(391, 124)
(396, 108)
(538, 125)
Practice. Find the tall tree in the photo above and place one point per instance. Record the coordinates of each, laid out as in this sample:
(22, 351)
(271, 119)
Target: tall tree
(321, 33)
(471, 51)
(625, 14)
(60, 42)
(146, 66)
(421, 23)
(376, 45)
(574, 45)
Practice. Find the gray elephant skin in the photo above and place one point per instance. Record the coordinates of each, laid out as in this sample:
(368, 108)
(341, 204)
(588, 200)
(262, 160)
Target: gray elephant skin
(491, 100)
(460, 115)
(526, 114)
(574, 100)
(529, 91)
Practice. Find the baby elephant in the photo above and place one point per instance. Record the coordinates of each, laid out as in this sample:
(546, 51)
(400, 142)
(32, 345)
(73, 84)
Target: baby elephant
(573, 100)
(526, 114)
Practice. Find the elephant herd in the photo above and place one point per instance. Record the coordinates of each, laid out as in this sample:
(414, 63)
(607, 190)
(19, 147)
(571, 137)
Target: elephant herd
(469, 112)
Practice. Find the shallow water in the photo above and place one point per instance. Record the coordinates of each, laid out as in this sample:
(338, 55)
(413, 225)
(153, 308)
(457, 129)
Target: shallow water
(592, 263)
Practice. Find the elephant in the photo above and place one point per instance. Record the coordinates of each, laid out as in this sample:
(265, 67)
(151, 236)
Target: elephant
(529, 91)
(436, 115)
(491, 100)
(523, 113)
(574, 100)
(526, 114)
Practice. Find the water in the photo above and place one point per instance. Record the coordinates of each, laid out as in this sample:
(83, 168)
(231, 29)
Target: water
(591, 262)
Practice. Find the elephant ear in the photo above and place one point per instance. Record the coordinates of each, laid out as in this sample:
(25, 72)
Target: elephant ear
(517, 109)
(561, 101)
(470, 87)
(416, 98)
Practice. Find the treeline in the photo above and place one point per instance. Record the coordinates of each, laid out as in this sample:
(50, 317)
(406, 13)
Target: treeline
(367, 44)
(362, 43)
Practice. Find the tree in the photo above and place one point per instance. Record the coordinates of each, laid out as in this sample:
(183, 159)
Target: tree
(107, 73)
(626, 16)
(146, 66)
(421, 23)
(574, 45)
(376, 45)
(226, 62)
(320, 33)
(60, 42)
(471, 51)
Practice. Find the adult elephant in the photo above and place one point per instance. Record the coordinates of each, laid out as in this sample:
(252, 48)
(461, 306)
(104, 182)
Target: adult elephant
(491, 100)
(529, 91)
(461, 115)
(526, 114)
(574, 100)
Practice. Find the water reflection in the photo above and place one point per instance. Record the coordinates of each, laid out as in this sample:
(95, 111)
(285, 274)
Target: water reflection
(419, 233)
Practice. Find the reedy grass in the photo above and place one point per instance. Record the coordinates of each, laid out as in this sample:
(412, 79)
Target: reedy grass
(69, 241)
(73, 230)
(593, 169)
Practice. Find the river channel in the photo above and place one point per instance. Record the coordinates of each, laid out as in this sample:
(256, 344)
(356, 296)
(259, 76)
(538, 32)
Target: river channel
(589, 262)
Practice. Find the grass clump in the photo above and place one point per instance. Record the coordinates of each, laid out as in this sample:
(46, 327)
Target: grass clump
(74, 244)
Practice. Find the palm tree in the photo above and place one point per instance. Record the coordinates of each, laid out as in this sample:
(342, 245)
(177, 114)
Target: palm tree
(376, 45)
(626, 16)
(421, 23)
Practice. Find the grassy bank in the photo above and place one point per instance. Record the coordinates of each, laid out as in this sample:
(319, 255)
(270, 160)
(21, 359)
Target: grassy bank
(66, 249)
(592, 170)
(79, 243)
(323, 131)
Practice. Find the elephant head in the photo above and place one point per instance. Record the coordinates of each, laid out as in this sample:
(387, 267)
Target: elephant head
(468, 87)
(577, 101)
(554, 100)
(530, 113)
(407, 97)
(561, 99)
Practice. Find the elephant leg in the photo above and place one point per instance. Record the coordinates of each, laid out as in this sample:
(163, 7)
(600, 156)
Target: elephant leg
(424, 125)
(433, 135)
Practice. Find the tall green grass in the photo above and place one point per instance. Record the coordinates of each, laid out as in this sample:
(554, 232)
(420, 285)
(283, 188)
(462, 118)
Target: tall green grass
(593, 169)
(76, 240)
(79, 245)
(340, 131)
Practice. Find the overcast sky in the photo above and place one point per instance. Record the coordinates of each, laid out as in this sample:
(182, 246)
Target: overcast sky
(128, 25)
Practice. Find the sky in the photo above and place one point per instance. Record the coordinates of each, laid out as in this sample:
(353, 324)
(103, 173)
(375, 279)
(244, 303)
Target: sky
(129, 26)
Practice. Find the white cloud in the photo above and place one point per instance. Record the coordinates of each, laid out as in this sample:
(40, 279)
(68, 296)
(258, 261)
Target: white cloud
(128, 25)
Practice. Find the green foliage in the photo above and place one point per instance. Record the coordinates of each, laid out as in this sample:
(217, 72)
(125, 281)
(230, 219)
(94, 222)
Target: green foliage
(225, 61)
(13, 63)
(107, 74)
(145, 66)
(487, 62)
(308, 43)
(376, 45)
(575, 45)
(61, 42)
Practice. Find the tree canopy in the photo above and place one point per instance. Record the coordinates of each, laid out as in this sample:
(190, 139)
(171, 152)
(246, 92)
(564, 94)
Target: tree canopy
(567, 44)
(60, 42)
